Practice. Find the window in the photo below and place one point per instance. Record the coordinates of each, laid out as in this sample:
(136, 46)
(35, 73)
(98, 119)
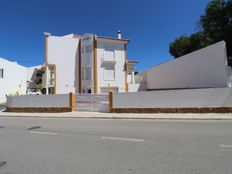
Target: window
(83, 49)
(89, 48)
(86, 73)
(1, 73)
(109, 55)
(109, 73)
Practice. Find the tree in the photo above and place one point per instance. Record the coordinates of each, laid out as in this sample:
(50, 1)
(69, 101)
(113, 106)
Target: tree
(216, 25)
(186, 44)
(180, 46)
(217, 22)
(198, 41)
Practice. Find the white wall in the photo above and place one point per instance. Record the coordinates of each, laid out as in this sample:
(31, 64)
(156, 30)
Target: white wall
(137, 87)
(14, 80)
(63, 51)
(38, 101)
(188, 98)
(201, 69)
(133, 87)
(119, 53)
(140, 83)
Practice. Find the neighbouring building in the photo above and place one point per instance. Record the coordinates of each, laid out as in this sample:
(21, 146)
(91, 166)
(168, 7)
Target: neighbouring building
(13, 79)
(34, 77)
(86, 64)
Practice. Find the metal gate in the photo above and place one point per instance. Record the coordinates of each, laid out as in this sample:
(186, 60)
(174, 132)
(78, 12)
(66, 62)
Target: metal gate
(91, 102)
(2, 107)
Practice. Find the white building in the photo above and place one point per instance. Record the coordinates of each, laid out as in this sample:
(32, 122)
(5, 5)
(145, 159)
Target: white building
(13, 79)
(85, 64)
(62, 58)
(94, 64)
(205, 68)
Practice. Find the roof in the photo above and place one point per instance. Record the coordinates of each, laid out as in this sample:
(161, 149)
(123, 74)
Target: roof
(98, 38)
(76, 36)
(10, 62)
(132, 61)
(112, 39)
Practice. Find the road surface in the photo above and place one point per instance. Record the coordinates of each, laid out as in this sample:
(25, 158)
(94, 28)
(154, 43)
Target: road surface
(113, 146)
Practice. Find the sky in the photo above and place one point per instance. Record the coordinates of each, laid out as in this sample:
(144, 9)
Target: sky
(150, 25)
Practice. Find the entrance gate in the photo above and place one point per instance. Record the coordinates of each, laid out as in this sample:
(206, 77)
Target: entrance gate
(92, 102)
(2, 106)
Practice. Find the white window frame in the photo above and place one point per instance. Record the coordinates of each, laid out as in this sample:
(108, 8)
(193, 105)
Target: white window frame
(105, 55)
(105, 77)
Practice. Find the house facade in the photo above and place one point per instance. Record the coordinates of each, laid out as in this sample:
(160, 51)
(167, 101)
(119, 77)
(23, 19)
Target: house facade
(85, 64)
(13, 79)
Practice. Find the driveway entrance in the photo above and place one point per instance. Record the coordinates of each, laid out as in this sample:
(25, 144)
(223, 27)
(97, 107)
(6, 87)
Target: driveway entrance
(91, 102)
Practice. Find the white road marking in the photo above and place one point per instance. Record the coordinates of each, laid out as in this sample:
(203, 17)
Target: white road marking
(226, 145)
(43, 133)
(121, 139)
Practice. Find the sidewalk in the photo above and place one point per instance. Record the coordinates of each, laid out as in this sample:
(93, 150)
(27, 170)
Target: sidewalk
(189, 116)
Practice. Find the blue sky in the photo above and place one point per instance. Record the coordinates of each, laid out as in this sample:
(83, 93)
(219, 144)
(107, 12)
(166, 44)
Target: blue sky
(150, 24)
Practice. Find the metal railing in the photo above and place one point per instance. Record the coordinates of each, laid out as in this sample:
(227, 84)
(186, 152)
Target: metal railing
(139, 79)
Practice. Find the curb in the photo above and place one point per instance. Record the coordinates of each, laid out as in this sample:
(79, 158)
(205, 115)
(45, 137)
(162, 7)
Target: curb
(97, 115)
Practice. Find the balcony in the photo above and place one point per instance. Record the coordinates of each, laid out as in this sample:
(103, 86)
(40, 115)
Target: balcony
(108, 61)
(108, 58)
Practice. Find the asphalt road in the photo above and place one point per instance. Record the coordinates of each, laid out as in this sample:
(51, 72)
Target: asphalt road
(88, 146)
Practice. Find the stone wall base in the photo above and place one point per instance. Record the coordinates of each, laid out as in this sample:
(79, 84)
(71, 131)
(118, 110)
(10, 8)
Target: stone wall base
(173, 110)
(38, 110)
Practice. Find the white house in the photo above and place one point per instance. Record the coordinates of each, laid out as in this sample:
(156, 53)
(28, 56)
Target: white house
(62, 61)
(205, 68)
(85, 64)
(13, 79)
(95, 64)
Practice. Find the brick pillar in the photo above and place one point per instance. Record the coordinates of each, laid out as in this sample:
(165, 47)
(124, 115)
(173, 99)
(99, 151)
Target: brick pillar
(72, 102)
(110, 101)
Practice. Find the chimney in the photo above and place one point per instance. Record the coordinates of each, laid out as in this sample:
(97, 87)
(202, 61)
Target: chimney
(119, 34)
(47, 34)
